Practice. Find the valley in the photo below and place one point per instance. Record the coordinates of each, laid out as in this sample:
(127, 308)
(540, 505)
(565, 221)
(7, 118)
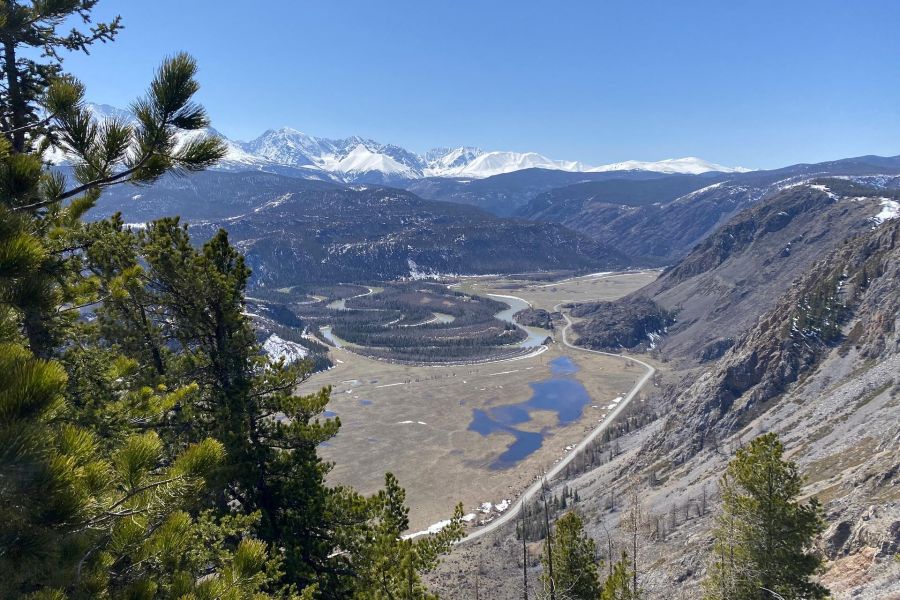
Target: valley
(480, 432)
(484, 337)
(494, 331)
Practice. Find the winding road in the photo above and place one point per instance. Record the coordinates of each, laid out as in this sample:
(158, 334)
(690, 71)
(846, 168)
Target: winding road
(535, 488)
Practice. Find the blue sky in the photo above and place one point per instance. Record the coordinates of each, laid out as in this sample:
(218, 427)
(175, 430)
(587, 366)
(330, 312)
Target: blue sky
(759, 84)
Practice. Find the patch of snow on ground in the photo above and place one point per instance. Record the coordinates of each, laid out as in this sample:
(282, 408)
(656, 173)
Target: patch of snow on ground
(890, 209)
(432, 529)
(274, 203)
(278, 348)
(504, 504)
(824, 188)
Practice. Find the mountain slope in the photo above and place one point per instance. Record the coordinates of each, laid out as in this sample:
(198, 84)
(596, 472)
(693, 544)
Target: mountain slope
(376, 234)
(814, 356)
(299, 232)
(652, 220)
(202, 196)
(820, 368)
(506, 194)
(737, 273)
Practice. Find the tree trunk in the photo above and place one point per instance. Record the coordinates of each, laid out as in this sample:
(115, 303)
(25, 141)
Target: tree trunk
(16, 102)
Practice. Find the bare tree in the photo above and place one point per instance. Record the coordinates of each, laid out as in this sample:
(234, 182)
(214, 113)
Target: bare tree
(549, 540)
(609, 547)
(524, 556)
(633, 521)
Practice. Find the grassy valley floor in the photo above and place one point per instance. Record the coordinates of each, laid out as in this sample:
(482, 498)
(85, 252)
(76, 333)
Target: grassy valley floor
(414, 420)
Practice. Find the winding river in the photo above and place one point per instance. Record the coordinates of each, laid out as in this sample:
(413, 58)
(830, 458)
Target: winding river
(536, 335)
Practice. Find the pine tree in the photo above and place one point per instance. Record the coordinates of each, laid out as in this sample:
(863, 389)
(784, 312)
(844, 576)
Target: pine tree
(32, 29)
(388, 566)
(575, 574)
(152, 451)
(618, 584)
(90, 501)
(270, 435)
(764, 533)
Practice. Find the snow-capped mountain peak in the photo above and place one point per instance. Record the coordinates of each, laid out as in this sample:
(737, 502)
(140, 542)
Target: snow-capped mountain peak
(688, 165)
(289, 151)
(487, 164)
(441, 159)
(363, 160)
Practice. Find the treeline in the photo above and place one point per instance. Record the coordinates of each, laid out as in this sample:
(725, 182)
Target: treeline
(499, 334)
(444, 355)
(150, 450)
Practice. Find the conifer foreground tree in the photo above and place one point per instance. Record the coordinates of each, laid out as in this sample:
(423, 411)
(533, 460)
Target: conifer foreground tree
(764, 535)
(90, 507)
(147, 448)
(575, 572)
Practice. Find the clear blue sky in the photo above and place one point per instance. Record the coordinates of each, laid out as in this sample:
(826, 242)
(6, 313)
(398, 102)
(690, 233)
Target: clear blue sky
(759, 84)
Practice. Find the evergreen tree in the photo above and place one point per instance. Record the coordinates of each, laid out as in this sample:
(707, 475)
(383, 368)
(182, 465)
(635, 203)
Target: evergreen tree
(575, 573)
(29, 30)
(91, 501)
(618, 584)
(269, 433)
(764, 533)
(151, 450)
(388, 565)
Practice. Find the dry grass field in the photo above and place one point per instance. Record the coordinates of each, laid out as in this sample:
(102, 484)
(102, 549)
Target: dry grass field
(547, 294)
(414, 421)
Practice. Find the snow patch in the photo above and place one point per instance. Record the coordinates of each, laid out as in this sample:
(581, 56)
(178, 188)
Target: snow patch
(432, 529)
(278, 348)
(890, 209)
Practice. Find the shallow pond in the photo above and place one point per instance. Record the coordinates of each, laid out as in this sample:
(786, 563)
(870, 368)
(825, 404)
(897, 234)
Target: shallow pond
(560, 393)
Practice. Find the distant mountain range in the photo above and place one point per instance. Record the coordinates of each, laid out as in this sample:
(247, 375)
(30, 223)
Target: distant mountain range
(356, 159)
(298, 232)
(296, 229)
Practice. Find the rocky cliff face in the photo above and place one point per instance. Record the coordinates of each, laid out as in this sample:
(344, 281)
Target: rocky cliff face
(612, 326)
(822, 369)
(848, 303)
(735, 275)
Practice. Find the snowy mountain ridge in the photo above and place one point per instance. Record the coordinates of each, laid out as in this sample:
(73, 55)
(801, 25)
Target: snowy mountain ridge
(355, 158)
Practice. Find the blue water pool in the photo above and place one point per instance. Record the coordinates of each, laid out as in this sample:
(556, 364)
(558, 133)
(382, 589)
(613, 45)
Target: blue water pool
(560, 393)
